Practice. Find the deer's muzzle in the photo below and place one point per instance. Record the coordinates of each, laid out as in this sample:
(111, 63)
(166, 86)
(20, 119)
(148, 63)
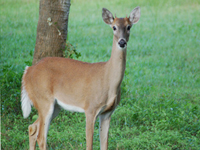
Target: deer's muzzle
(122, 43)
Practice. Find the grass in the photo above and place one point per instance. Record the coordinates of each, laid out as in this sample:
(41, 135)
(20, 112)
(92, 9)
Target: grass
(160, 107)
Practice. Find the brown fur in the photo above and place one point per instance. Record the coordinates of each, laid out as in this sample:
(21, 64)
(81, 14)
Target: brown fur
(92, 87)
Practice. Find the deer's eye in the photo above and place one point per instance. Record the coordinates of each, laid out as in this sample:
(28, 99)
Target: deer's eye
(128, 28)
(114, 28)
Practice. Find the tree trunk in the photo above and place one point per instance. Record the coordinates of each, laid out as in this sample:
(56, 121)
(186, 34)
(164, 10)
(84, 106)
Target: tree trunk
(51, 29)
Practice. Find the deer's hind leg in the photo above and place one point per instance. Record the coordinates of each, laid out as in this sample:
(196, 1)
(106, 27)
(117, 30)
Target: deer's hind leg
(39, 129)
(33, 132)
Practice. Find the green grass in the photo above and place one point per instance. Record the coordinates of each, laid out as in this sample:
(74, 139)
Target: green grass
(160, 107)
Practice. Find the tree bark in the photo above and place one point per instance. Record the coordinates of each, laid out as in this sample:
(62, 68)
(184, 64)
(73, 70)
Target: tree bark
(51, 29)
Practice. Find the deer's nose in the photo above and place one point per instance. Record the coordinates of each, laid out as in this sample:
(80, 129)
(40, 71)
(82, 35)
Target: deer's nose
(122, 43)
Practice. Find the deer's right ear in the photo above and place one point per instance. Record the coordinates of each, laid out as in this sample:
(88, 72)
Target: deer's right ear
(107, 16)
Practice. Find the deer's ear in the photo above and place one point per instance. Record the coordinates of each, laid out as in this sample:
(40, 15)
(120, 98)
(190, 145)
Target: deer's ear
(107, 16)
(135, 15)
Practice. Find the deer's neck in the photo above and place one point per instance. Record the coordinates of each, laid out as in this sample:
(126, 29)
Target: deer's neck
(116, 65)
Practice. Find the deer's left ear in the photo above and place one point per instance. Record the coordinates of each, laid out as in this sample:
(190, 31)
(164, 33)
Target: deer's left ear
(135, 15)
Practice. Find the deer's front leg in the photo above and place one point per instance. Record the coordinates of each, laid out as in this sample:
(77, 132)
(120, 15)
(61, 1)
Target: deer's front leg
(90, 120)
(104, 124)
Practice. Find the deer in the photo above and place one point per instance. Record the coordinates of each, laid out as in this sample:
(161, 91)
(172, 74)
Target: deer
(91, 88)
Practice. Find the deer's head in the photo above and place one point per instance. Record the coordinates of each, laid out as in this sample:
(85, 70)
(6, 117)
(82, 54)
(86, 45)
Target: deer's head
(121, 26)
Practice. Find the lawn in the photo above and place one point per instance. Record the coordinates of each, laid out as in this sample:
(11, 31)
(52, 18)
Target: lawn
(160, 106)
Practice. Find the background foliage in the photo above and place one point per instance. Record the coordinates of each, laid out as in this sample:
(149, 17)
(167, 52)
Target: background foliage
(160, 107)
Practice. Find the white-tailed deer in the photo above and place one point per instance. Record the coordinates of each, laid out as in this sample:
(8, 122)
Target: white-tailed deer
(92, 88)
